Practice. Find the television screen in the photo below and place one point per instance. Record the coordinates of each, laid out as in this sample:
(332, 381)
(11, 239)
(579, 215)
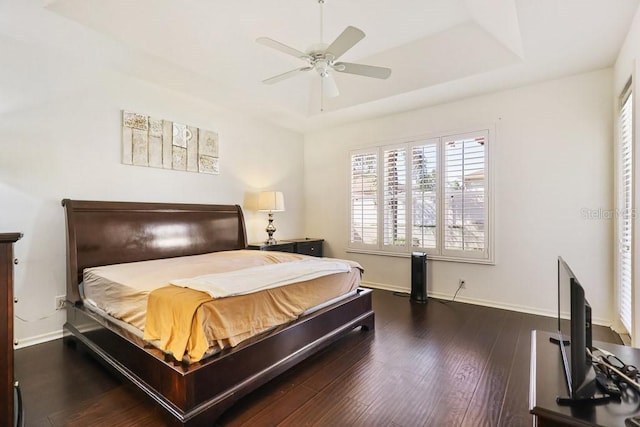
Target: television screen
(574, 334)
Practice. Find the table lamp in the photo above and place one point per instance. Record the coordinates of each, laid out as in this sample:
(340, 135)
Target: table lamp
(271, 201)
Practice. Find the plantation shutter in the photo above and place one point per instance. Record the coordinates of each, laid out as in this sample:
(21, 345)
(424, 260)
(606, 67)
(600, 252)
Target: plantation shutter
(625, 211)
(465, 178)
(364, 198)
(427, 194)
(424, 186)
(395, 197)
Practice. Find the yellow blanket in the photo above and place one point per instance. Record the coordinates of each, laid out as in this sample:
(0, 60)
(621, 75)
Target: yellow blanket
(188, 322)
(174, 325)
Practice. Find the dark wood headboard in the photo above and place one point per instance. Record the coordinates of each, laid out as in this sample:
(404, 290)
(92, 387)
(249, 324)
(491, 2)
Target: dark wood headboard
(104, 233)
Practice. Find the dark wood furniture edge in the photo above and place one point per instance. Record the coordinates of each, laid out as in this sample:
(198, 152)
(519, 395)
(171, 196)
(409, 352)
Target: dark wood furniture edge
(295, 245)
(177, 389)
(308, 245)
(532, 373)
(535, 410)
(6, 327)
(280, 247)
(10, 237)
(554, 416)
(262, 350)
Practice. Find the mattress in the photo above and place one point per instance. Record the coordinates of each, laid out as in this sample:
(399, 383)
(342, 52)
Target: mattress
(122, 291)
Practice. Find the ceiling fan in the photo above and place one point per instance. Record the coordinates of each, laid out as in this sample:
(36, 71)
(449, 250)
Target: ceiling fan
(324, 59)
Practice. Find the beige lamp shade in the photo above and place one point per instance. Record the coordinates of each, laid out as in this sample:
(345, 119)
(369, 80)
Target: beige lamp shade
(271, 201)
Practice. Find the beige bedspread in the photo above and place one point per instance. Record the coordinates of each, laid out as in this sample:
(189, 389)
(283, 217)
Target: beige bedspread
(188, 323)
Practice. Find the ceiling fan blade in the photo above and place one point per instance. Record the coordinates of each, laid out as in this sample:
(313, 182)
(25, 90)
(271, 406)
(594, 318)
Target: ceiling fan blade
(345, 41)
(283, 76)
(362, 70)
(281, 47)
(329, 86)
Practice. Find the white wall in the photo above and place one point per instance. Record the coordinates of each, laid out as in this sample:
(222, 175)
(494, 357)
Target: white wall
(60, 136)
(552, 161)
(627, 66)
(626, 63)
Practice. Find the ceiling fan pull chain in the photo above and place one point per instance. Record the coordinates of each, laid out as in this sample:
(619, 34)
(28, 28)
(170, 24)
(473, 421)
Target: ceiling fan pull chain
(321, 95)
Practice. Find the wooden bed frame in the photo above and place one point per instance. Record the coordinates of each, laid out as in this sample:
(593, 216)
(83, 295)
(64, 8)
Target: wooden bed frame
(103, 233)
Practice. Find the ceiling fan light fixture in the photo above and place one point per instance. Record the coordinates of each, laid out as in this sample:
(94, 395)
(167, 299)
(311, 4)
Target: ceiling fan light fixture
(329, 87)
(322, 67)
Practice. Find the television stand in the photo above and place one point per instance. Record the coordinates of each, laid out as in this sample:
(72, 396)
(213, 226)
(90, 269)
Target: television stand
(547, 381)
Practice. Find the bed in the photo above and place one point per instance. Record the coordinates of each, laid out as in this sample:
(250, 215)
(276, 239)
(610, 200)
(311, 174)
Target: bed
(195, 394)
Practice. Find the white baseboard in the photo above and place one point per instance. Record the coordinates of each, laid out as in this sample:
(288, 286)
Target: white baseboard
(384, 287)
(485, 303)
(38, 339)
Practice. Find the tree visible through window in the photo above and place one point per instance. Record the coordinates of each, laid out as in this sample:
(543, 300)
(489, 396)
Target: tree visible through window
(424, 192)
(395, 196)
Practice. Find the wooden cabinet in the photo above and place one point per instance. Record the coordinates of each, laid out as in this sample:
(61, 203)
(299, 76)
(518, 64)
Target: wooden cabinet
(281, 246)
(547, 381)
(6, 327)
(306, 246)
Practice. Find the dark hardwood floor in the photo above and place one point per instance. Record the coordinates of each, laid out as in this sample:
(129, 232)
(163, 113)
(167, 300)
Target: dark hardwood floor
(435, 364)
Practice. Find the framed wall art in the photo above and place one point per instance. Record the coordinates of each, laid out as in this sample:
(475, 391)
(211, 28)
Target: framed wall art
(159, 143)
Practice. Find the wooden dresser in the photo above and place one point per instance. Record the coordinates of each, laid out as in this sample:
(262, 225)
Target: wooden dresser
(6, 327)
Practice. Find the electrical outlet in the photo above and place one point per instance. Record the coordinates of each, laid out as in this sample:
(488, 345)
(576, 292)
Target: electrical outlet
(60, 302)
(462, 284)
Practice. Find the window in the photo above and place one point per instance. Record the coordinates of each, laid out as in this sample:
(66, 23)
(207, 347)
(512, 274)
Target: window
(394, 197)
(464, 190)
(625, 208)
(424, 163)
(364, 198)
(429, 195)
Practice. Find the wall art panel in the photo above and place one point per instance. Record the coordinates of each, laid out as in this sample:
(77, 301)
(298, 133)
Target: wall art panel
(159, 143)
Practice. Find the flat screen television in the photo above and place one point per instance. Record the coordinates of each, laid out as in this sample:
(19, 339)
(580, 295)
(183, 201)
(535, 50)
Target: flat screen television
(574, 336)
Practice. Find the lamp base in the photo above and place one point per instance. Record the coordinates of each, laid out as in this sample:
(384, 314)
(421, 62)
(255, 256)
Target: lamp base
(270, 230)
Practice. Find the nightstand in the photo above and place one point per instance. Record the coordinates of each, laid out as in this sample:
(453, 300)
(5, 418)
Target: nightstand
(308, 246)
(282, 246)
